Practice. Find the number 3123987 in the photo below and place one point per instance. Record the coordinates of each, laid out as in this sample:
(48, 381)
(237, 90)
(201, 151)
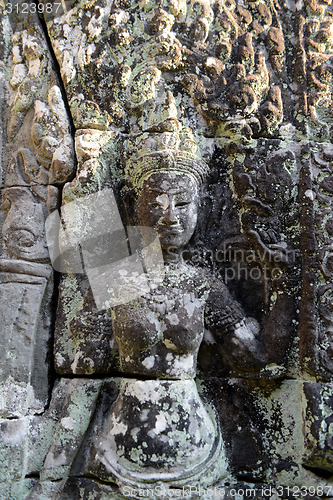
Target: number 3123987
(33, 8)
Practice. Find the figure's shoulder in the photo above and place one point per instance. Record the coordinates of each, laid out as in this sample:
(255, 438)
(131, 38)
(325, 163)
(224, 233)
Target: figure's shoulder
(207, 284)
(212, 281)
(202, 279)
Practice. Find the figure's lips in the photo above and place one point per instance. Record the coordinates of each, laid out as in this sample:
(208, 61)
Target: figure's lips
(169, 230)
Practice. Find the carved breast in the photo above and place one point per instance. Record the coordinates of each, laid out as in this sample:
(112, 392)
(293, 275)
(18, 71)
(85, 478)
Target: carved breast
(160, 333)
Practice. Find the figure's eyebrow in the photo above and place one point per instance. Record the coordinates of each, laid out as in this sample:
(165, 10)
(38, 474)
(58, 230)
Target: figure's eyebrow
(155, 189)
(171, 191)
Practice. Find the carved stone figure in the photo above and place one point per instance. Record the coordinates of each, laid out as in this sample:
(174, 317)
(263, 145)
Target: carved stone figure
(178, 385)
(158, 430)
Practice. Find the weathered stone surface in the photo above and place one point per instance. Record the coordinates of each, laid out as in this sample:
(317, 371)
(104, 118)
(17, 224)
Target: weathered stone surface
(319, 428)
(268, 439)
(14, 450)
(210, 122)
(25, 336)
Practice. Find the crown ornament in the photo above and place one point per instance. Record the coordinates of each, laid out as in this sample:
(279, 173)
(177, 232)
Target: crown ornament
(152, 152)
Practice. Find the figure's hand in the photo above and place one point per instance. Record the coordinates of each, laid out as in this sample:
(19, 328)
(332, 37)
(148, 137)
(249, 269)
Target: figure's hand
(246, 332)
(243, 350)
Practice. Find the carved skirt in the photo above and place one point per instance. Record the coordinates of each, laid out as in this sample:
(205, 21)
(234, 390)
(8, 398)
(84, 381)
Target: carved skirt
(158, 432)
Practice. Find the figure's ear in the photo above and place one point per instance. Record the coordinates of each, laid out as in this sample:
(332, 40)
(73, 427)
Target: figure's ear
(202, 192)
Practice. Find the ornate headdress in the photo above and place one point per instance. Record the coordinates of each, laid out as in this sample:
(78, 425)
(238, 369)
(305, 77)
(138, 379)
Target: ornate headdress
(151, 153)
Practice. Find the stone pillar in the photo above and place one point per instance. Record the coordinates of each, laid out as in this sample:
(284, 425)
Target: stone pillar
(36, 159)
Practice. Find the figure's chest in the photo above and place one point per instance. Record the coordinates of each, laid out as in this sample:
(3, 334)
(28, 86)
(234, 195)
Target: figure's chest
(169, 316)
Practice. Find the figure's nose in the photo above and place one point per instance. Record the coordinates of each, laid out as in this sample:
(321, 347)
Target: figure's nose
(169, 215)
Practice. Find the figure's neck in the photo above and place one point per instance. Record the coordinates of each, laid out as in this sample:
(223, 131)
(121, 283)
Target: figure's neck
(172, 256)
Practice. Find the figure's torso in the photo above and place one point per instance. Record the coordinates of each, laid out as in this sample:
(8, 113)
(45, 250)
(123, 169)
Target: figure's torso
(159, 334)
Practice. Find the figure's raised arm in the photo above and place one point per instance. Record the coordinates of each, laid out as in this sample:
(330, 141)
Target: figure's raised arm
(239, 335)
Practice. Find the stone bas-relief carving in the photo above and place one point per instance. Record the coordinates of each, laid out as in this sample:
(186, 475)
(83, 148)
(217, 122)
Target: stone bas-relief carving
(177, 441)
(158, 336)
(237, 338)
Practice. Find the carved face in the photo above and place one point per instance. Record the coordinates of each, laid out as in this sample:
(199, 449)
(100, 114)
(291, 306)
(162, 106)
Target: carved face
(168, 202)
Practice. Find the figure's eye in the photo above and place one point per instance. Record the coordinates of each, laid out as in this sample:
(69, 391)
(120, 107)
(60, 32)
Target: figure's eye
(181, 204)
(155, 204)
